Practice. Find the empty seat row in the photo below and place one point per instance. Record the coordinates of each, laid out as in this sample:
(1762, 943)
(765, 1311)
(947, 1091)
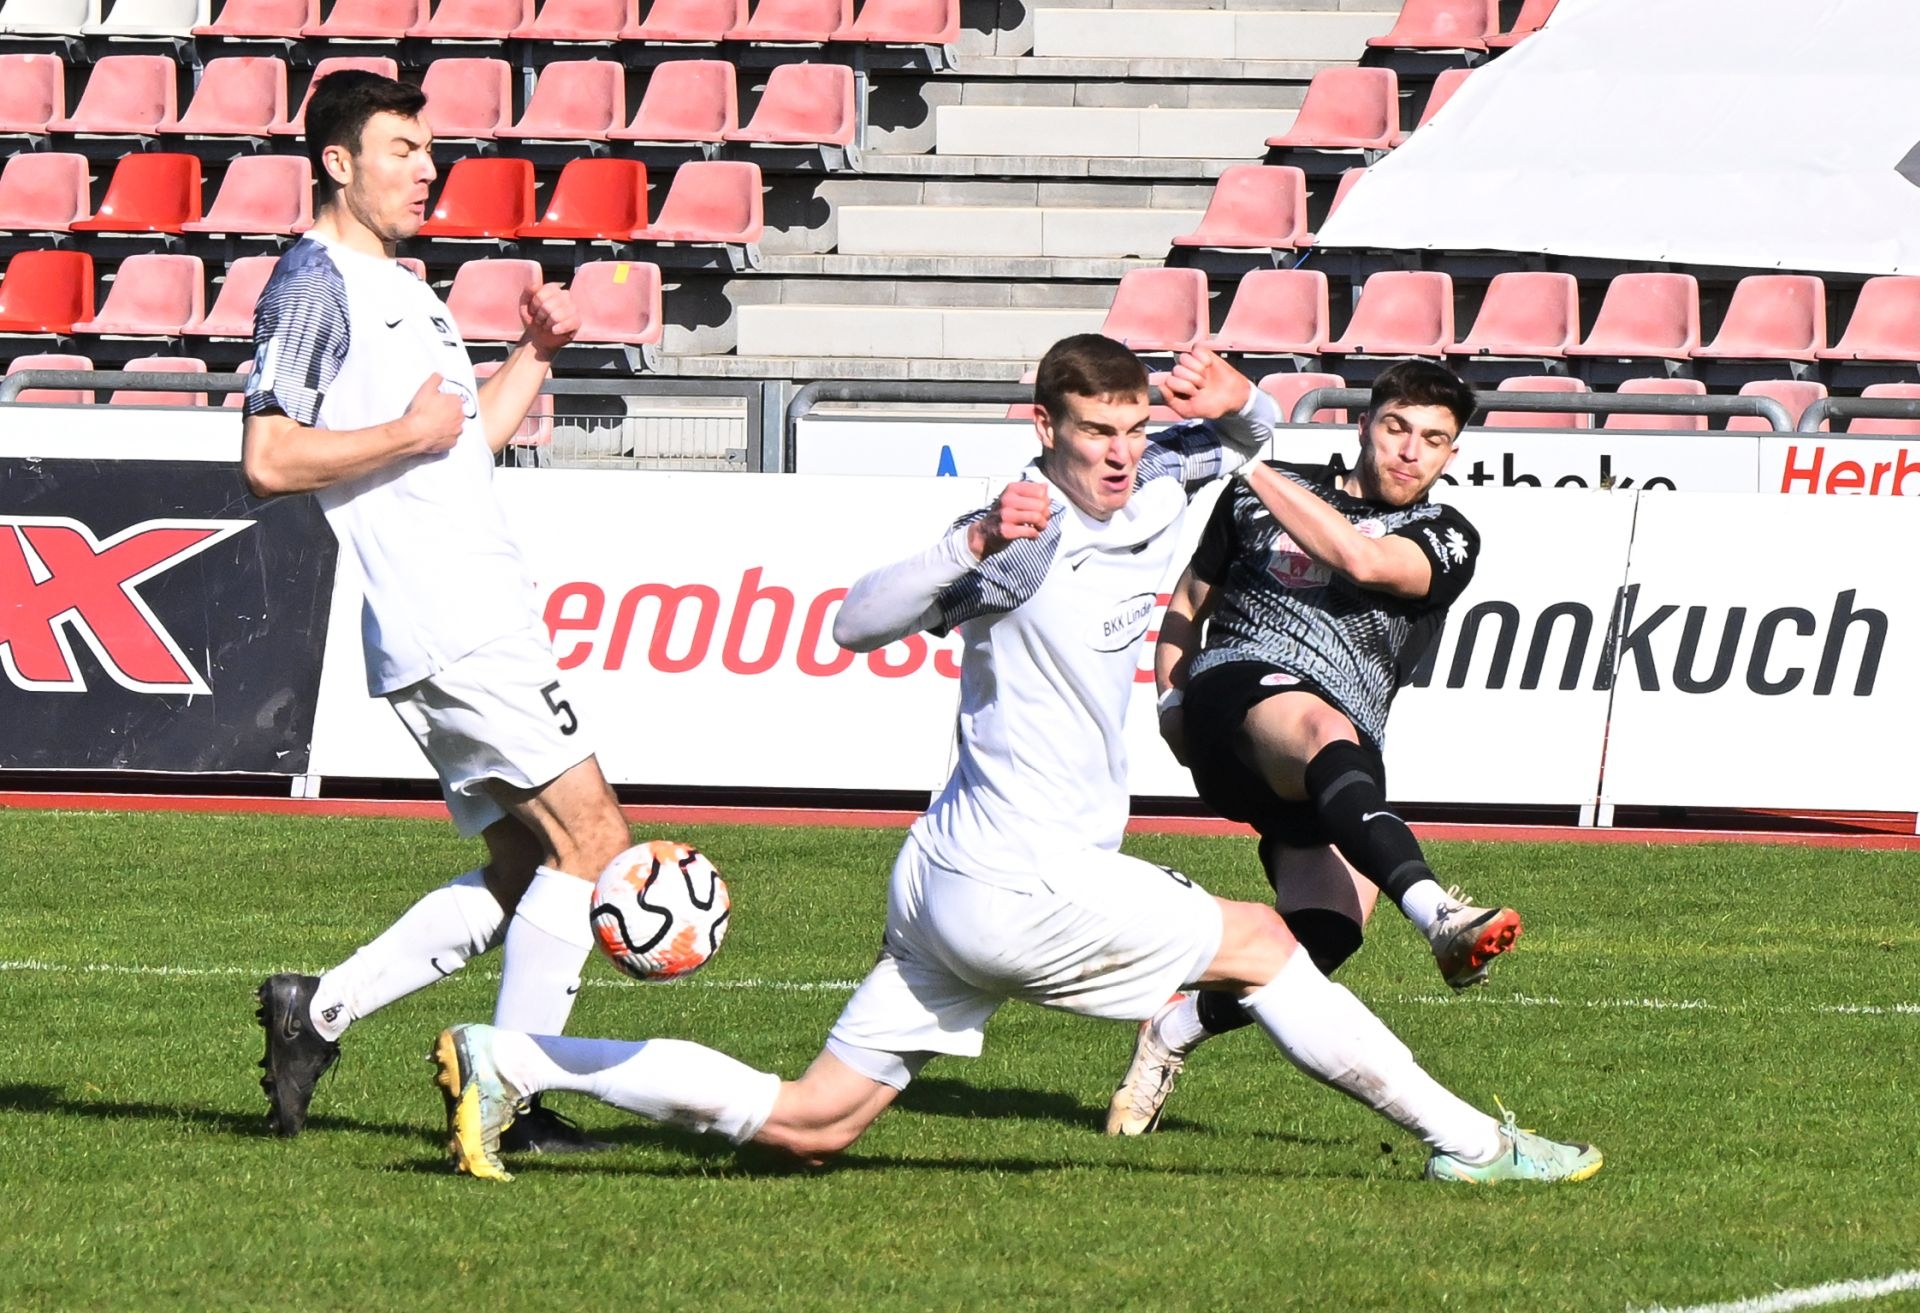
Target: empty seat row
(707, 201)
(686, 101)
(1651, 316)
(902, 22)
(122, 397)
(157, 295)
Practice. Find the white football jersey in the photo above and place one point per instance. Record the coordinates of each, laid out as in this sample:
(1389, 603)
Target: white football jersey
(1051, 629)
(343, 340)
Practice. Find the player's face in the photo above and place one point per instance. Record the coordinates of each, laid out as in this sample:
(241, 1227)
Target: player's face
(1403, 450)
(1091, 454)
(386, 187)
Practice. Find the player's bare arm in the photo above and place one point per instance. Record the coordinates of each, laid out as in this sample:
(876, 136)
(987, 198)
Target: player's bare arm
(1179, 643)
(279, 456)
(551, 321)
(1390, 565)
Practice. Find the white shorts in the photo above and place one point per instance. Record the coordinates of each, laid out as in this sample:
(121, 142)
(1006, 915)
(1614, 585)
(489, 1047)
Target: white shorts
(498, 713)
(1100, 933)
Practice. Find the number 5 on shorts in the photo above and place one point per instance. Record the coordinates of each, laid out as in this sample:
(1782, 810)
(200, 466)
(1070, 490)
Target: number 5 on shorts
(560, 707)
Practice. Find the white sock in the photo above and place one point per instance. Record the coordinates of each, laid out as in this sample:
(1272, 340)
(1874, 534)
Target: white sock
(432, 939)
(1179, 1026)
(668, 1080)
(1329, 1034)
(548, 940)
(1422, 904)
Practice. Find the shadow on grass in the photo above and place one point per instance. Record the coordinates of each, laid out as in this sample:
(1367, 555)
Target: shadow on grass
(50, 1100)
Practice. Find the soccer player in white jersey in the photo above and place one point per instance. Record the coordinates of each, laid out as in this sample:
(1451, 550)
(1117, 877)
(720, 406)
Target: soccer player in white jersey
(362, 394)
(1012, 886)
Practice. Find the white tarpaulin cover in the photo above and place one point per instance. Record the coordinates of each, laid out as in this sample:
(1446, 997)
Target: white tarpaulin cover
(1753, 133)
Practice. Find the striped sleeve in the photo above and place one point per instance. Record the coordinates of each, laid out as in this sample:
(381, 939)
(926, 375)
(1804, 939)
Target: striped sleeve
(1004, 580)
(301, 333)
(1200, 451)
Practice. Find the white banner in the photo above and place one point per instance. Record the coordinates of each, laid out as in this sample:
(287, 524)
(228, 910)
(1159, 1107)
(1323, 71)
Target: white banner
(1767, 656)
(1807, 463)
(1754, 133)
(1501, 458)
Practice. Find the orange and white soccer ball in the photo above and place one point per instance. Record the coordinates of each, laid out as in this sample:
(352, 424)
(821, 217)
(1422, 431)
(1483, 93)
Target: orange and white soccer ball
(660, 910)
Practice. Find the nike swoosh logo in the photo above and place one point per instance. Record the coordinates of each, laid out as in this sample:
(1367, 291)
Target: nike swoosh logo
(574, 988)
(1368, 816)
(434, 962)
(395, 323)
(1077, 564)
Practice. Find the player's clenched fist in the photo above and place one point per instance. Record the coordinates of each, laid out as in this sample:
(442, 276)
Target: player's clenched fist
(550, 317)
(1021, 511)
(435, 417)
(1203, 386)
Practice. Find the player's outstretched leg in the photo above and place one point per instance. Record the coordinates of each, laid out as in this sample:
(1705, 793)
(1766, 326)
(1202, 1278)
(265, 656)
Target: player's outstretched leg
(480, 1105)
(1466, 939)
(297, 1054)
(1523, 1156)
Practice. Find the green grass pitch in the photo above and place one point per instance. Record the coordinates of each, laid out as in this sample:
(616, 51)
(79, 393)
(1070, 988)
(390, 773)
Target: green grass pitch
(1738, 1027)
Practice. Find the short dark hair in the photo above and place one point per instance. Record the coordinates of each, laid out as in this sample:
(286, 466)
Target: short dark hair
(338, 110)
(1086, 365)
(1423, 383)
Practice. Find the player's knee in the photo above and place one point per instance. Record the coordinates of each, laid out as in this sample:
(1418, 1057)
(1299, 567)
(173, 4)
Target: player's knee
(1255, 943)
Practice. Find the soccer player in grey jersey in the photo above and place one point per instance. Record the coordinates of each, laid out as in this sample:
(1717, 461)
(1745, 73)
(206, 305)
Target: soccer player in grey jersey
(1012, 886)
(1320, 595)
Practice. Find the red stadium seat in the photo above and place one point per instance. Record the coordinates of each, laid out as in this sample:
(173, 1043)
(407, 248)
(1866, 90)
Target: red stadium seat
(484, 196)
(1901, 428)
(474, 20)
(43, 193)
(536, 430)
(703, 21)
(46, 292)
(906, 23)
(1258, 206)
(125, 94)
(575, 100)
(1532, 17)
(239, 96)
(282, 19)
(53, 396)
(1441, 25)
(368, 20)
(599, 200)
(485, 298)
(1646, 316)
(710, 201)
(806, 21)
(1670, 387)
(262, 194)
(580, 20)
(1793, 393)
(1158, 310)
(1287, 389)
(810, 104)
(33, 92)
(1401, 313)
(1532, 419)
(295, 126)
(151, 193)
(232, 312)
(468, 99)
(1772, 317)
(1276, 312)
(1525, 314)
(151, 296)
(1444, 87)
(1885, 323)
(235, 400)
(1346, 184)
(161, 365)
(1346, 109)
(686, 100)
(619, 302)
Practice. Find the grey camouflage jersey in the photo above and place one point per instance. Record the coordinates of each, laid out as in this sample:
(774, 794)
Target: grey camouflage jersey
(1274, 604)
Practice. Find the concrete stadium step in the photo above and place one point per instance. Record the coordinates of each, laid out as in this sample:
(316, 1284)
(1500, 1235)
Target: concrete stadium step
(1010, 231)
(1178, 134)
(912, 332)
(1170, 33)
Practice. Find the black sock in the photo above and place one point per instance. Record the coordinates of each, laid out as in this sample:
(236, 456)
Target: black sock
(1346, 784)
(1221, 1012)
(1328, 937)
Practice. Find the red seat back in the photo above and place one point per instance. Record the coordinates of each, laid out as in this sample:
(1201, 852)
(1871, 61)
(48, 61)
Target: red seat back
(125, 94)
(485, 298)
(1441, 25)
(804, 103)
(687, 100)
(1276, 312)
(484, 196)
(1794, 393)
(1885, 324)
(1346, 108)
(1533, 419)
(1671, 387)
(1158, 310)
(619, 302)
(468, 97)
(152, 296)
(46, 292)
(262, 194)
(1773, 317)
(33, 91)
(44, 192)
(161, 365)
(1655, 315)
(1527, 313)
(232, 312)
(151, 193)
(595, 200)
(237, 95)
(1401, 313)
(1254, 205)
(53, 396)
(711, 201)
(1287, 389)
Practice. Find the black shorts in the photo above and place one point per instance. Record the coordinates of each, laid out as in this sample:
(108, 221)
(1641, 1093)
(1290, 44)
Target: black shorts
(1216, 705)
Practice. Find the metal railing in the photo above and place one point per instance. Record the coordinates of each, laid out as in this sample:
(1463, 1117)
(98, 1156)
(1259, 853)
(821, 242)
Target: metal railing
(1849, 408)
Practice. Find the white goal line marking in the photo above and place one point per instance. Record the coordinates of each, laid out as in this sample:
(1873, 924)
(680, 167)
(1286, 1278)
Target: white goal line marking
(820, 986)
(1834, 1292)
